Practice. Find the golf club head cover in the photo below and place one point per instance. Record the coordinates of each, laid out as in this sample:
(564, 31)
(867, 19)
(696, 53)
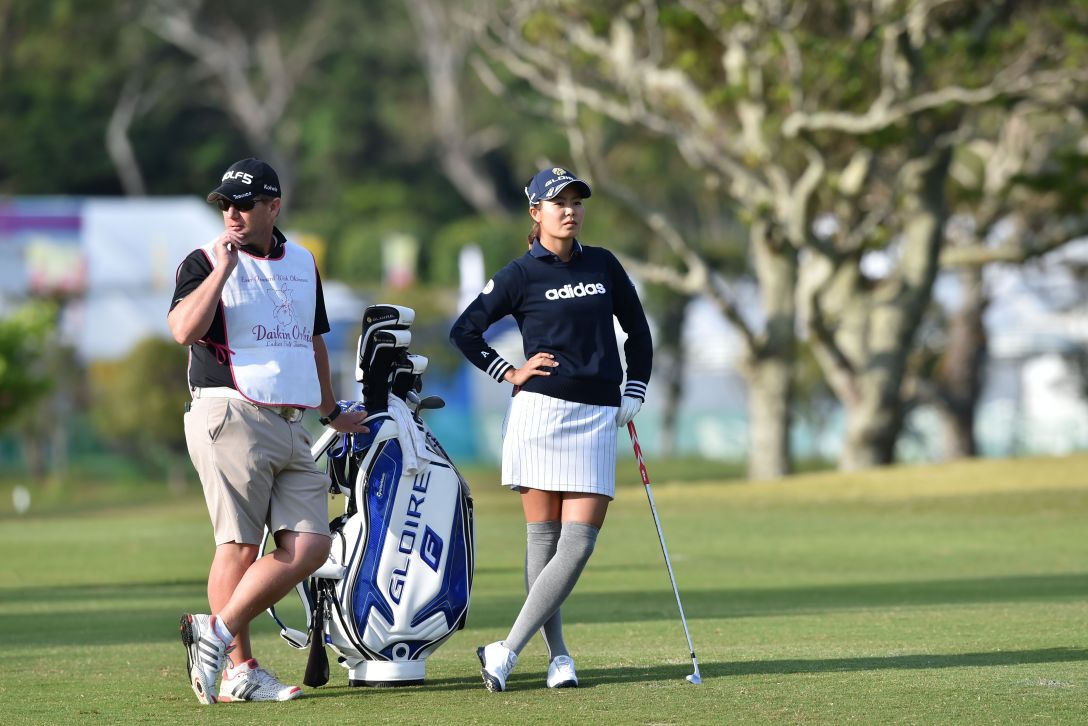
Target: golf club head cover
(629, 406)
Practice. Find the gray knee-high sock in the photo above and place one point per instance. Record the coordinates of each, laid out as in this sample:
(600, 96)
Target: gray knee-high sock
(541, 541)
(554, 583)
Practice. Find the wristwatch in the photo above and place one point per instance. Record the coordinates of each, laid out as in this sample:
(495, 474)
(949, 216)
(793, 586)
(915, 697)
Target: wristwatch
(330, 416)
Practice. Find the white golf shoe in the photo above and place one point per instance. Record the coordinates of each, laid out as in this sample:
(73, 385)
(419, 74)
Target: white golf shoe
(249, 682)
(498, 661)
(205, 655)
(561, 673)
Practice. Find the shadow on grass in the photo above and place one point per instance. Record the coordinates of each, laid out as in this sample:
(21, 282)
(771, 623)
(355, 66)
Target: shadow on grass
(628, 606)
(116, 614)
(181, 590)
(532, 678)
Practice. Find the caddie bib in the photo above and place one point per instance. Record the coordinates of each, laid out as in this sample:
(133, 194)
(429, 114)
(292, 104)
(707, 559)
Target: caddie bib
(268, 313)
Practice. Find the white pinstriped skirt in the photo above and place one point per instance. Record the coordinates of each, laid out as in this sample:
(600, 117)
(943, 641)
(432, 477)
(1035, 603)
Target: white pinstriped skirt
(559, 446)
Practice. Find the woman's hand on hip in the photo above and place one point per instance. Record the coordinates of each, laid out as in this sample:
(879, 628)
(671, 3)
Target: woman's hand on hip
(539, 365)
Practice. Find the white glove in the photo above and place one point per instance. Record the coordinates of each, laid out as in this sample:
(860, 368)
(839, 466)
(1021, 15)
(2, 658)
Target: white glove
(629, 406)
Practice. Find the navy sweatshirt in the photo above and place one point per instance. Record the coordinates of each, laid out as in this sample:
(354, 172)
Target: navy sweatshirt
(566, 309)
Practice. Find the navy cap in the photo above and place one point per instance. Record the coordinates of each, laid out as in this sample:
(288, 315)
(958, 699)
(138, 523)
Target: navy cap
(549, 182)
(245, 179)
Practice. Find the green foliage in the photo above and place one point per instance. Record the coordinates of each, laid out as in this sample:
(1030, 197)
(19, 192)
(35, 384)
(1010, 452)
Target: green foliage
(542, 26)
(1064, 179)
(50, 93)
(680, 20)
(26, 336)
(137, 402)
(500, 240)
(357, 256)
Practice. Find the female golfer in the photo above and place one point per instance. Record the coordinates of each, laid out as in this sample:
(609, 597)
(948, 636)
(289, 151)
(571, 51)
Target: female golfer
(559, 438)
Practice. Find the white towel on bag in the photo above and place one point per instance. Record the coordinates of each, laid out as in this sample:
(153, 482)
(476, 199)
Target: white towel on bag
(413, 439)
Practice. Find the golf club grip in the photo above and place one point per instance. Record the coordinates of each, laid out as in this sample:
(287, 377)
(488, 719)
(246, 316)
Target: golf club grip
(317, 664)
(638, 453)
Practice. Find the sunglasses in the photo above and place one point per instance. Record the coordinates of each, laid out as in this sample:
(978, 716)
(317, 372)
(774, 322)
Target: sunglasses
(245, 205)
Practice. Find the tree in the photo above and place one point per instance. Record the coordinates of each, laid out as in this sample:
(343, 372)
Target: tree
(150, 381)
(1017, 197)
(50, 93)
(848, 110)
(864, 326)
(26, 335)
(255, 68)
(642, 65)
(443, 48)
(31, 367)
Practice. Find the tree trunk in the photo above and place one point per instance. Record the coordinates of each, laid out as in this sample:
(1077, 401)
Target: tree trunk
(770, 393)
(958, 423)
(670, 345)
(885, 322)
(959, 374)
(873, 424)
(769, 370)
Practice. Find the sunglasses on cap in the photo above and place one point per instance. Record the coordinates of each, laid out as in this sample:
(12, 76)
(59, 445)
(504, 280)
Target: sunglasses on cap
(245, 205)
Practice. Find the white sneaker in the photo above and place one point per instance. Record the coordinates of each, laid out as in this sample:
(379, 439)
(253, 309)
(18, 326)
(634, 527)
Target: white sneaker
(497, 661)
(249, 682)
(205, 655)
(561, 673)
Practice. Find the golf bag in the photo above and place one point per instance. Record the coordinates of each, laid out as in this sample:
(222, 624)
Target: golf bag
(399, 576)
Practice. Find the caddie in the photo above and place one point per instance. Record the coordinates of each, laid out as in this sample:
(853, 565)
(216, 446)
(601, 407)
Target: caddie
(249, 306)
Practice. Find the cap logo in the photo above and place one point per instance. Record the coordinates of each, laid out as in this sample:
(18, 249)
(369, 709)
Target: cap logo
(242, 176)
(548, 182)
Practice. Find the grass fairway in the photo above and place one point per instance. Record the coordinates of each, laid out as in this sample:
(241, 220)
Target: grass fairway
(952, 594)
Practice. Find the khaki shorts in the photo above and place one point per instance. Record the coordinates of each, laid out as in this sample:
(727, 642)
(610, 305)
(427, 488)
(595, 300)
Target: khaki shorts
(256, 469)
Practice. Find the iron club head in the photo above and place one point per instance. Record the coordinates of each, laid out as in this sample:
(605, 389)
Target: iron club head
(694, 678)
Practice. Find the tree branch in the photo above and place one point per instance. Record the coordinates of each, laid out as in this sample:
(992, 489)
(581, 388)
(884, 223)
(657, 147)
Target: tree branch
(228, 55)
(883, 113)
(837, 368)
(442, 48)
(1028, 246)
(644, 85)
(699, 279)
(118, 143)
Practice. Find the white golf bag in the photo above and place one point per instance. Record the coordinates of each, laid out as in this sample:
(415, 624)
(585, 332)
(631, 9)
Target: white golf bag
(399, 576)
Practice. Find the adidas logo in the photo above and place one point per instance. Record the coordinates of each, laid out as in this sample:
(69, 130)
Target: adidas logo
(580, 290)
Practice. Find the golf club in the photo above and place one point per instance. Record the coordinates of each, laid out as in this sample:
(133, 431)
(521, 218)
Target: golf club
(694, 677)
